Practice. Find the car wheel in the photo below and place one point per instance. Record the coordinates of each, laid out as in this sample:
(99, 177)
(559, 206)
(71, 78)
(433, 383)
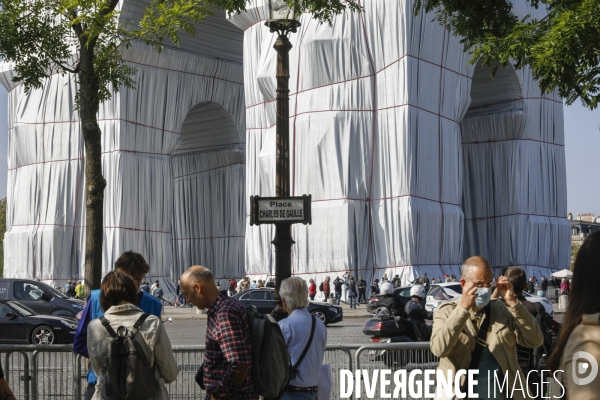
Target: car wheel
(321, 315)
(382, 312)
(42, 335)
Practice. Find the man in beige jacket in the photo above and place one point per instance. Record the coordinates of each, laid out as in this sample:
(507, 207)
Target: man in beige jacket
(456, 327)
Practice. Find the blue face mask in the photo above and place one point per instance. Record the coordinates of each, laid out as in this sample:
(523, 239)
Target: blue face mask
(484, 295)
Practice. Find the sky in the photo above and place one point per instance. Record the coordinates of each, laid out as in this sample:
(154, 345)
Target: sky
(582, 149)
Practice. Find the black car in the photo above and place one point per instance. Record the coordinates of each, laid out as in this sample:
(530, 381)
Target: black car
(402, 294)
(20, 324)
(263, 300)
(40, 297)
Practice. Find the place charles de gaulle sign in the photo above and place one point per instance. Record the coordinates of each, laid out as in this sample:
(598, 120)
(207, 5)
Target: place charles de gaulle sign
(282, 210)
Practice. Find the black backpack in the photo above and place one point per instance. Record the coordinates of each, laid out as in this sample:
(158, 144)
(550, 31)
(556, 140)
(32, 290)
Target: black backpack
(550, 329)
(128, 375)
(321, 287)
(271, 368)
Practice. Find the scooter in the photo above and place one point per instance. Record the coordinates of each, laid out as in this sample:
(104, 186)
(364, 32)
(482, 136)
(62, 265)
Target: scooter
(396, 329)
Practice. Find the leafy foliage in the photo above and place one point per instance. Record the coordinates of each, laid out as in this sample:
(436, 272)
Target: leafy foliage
(561, 49)
(574, 249)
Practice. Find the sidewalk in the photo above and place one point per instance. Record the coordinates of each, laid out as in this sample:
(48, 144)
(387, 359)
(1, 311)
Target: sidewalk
(181, 313)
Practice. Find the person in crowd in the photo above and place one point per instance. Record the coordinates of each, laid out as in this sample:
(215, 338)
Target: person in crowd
(346, 278)
(177, 293)
(375, 287)
(296, 330)
(518, 279)
(395, 280)
(79, 290)
(145, 287)
(352, 292)
(579, 339)
(530, 286)
(5, 392)
(327, 287)
(543, 287)
(447, 278)
(432, 282)
(118, 296)
(458, 324)
(228, 341)
(564, 286)
(270, 283)
(69, 289)
(253, 285)
(232, 286)
(261, 283)
(362, 291)
(337, 288)
(157, 291)
(153, 286)
(425, 281)
(312, 289)
(385, 278)
(388, 300)
(245, 284)
(415, 308)
(134, 265)
(453, 279)
(439, 280)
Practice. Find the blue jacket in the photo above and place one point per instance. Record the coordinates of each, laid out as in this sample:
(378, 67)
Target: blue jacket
(148, 303)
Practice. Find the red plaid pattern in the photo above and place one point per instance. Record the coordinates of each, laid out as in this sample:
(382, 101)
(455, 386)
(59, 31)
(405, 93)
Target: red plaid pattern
(228, 343)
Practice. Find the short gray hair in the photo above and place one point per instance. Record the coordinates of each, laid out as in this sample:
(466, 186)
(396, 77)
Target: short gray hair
(295, 292)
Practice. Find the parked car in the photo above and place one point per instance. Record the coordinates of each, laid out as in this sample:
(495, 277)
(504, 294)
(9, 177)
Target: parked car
(402, 294)
(264, 301)
(443, 292)
(20, 324)
(40, 297)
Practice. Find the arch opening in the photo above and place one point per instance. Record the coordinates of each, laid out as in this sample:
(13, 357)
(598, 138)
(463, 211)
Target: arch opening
(208, 181)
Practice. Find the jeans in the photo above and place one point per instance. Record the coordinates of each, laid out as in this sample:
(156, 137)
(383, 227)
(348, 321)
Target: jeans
(362, 295)
(338, 296)
(298, 396)
(352, 296)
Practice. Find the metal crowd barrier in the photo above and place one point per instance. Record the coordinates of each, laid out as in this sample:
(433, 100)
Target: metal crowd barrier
(51, 372)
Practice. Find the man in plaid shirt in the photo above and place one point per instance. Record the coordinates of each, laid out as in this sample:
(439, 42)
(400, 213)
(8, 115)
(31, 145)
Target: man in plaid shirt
(226, 372)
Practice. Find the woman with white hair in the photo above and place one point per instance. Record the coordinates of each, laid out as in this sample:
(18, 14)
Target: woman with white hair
(301, 331)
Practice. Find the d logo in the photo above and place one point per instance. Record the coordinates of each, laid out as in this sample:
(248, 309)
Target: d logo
(581, 367)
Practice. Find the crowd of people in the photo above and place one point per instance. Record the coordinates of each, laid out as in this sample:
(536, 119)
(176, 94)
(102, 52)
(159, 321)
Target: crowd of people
(482, 330)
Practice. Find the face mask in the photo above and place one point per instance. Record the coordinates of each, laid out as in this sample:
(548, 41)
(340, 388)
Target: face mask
(483, 297)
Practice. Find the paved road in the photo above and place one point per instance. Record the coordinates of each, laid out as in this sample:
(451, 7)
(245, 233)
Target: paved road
(349, 331)
(188, 332)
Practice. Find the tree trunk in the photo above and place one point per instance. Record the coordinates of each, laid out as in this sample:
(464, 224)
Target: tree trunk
(94, 181)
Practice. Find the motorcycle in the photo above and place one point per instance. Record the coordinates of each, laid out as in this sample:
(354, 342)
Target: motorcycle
(396, 329)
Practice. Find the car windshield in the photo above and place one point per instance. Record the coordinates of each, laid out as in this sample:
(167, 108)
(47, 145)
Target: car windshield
(23, 310)
(55, 292)
(456, 288)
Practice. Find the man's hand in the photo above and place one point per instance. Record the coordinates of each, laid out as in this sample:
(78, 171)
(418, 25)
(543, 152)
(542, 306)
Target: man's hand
(506, 291)
(469, 294)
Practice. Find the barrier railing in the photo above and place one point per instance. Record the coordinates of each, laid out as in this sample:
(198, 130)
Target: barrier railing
(50, 372)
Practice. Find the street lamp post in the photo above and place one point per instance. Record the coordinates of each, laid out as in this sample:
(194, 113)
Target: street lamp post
(282, 19)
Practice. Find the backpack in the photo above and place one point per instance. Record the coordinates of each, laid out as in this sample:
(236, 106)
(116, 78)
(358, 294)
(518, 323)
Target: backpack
(271, 368)
(321, 287)
(550, 330)
(338, 285)
(128, 376)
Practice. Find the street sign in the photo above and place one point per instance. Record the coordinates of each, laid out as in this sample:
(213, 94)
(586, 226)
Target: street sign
(280, 210)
